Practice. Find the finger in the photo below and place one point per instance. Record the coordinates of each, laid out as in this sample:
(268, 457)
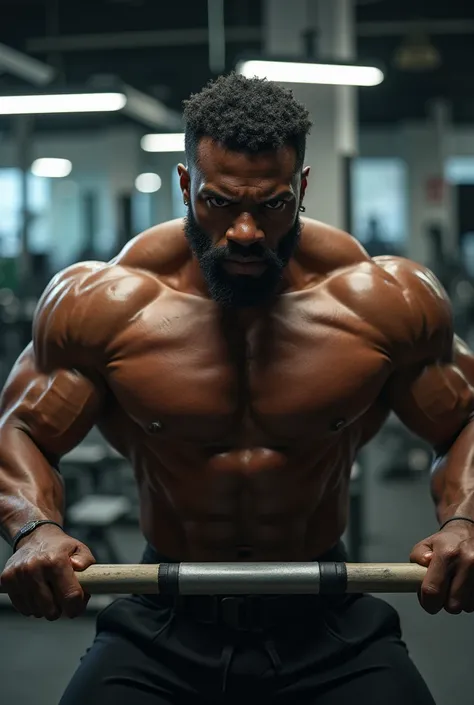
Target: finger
(422, 554)
(18, 603)
(82, 558)
(461, 592)
(67, 590)
(436, 584)
(10, 584)
(43, 598)
(23, 595)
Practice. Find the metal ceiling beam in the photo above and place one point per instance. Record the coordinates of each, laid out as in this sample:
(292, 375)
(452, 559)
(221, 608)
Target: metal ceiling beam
(137, 40)
(150, 111)
(200, 36)
(395, 29)
(25, 67)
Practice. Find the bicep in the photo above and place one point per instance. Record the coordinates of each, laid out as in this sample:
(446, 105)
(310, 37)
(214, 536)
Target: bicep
(56, 409)
(436, 401)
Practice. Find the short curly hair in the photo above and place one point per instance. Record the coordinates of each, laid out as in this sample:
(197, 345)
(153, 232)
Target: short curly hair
(246, 115)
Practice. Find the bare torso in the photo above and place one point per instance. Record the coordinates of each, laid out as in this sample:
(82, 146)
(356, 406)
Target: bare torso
(242, 431)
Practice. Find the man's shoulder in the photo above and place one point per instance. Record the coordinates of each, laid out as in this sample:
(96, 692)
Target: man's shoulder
(87, 303)
(405, 302)
(90, 284)
(161, 250)
(328, 249)
(427, 305)
(400, 298)
(422, 291)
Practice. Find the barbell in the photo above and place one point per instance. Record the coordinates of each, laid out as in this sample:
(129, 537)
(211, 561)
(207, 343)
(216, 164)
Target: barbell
(327, 578)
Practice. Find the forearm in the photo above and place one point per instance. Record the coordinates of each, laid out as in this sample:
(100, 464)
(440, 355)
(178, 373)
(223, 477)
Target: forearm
(452, 480)
(30, 488)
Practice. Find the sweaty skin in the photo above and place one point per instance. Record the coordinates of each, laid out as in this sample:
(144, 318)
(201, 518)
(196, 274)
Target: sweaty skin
(241, 426)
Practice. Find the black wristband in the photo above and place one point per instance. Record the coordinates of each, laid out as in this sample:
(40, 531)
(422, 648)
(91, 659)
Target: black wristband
(471, 521)
(29, 528)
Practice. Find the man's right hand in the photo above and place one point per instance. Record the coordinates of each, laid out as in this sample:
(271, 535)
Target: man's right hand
(40, 578)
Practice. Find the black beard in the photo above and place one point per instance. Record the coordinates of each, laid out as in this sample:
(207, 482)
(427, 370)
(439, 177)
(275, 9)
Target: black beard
(240, 291)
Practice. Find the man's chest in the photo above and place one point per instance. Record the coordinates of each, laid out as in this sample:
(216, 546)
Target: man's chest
(308, 367)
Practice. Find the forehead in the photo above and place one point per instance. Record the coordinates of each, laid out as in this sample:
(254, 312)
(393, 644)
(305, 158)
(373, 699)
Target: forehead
(216, 163)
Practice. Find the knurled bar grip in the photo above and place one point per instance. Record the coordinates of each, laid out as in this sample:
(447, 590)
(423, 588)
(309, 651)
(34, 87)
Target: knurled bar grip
(251, 578)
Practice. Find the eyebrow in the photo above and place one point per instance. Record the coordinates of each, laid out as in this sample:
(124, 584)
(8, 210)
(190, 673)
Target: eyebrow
(212, 193)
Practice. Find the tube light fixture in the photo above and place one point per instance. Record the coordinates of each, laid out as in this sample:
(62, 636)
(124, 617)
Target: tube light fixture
(67, 103)
(172, 142)
(316, 73)
(51, 168)
(148, 183)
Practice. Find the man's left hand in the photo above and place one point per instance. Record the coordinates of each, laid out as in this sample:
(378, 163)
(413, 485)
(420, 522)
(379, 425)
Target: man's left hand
(449, 557)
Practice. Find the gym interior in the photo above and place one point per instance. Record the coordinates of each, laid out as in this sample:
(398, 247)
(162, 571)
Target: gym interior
(392, 163)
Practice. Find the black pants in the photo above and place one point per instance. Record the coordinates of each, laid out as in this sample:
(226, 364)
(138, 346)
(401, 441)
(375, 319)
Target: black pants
(293, 650)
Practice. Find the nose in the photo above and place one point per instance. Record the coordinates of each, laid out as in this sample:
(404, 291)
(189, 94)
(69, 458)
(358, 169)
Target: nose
(245, 231)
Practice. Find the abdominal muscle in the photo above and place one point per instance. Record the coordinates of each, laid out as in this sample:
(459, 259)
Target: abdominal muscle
(244, 505)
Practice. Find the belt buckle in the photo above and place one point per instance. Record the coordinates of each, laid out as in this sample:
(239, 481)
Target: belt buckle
(240, 613)
(208, 609)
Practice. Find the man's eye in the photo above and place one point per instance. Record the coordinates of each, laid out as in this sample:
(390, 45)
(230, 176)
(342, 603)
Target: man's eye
(217, 202)
(275, 205)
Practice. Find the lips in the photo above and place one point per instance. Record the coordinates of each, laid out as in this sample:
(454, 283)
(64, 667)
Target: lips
(246, 260)
(249, 266)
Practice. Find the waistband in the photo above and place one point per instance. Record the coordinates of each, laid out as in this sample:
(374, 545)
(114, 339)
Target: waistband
(336, 553)
(245, 613)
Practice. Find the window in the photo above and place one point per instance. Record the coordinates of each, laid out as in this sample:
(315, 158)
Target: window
(380, 204)
(11, 214)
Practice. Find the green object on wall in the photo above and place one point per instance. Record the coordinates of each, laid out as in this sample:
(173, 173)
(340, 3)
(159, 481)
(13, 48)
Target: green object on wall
(9, 273)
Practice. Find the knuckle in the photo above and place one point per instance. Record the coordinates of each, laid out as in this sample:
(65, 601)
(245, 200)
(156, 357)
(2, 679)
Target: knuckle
(449, 553)
(8, 576)
(48, 561)
(27, 573)
(431, 590)
(467, 555)
(31, 565)
(52, 564)
(73, 595)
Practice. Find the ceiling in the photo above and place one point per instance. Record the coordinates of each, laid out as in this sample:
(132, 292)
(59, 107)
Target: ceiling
(160, 47)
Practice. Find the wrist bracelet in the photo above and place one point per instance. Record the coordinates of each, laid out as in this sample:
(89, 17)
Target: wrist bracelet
(471, 521)
(29, 528)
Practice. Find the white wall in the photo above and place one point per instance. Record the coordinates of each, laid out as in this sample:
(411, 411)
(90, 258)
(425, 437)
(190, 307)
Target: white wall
(461, 141)
(424, 152)
(106, 162)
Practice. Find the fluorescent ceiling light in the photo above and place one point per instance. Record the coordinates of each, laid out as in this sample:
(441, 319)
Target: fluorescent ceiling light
(68, 103)
(296, 72)
(51, 168)
(148, 183)
(173, 142)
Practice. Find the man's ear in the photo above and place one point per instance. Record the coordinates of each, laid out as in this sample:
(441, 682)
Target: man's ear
(184, 182)
(304, 183)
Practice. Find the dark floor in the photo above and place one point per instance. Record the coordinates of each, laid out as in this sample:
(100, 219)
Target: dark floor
(38, 658)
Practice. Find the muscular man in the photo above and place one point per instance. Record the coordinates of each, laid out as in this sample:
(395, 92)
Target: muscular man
(239, 359)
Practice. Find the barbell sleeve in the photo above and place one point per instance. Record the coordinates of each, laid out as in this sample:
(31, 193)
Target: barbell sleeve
(326, 578)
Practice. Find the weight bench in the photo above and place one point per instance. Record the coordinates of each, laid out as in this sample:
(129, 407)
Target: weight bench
(92, 516)
(90, 520)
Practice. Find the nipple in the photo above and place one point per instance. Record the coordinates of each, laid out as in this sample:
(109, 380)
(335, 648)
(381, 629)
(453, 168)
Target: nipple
(338, 425)
(155, 427)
